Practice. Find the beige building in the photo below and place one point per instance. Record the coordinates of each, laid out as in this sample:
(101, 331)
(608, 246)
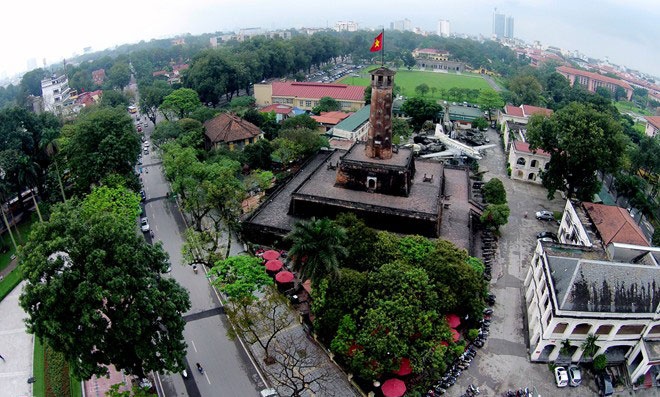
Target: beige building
(601, 279)
(526, 164)
(306, 95)
(652, 126)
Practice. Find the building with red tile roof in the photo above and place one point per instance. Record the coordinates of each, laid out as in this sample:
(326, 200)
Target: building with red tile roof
(513, 120)
(652, 125)
(526, 164)
(615, 225)
(230, 130)
(591, 81)
(306, 95)
(98, 76)
(327, 120)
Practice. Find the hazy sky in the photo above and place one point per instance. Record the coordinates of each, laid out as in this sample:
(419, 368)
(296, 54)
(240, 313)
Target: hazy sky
(626, 31)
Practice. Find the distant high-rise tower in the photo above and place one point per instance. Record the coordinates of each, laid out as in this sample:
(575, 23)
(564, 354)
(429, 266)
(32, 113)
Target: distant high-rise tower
(509, 28)
(443, 28)
(498, 24)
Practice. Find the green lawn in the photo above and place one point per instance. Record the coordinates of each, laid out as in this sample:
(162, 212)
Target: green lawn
(409, 79)
(23, 232)
(625, 106)
(39, 387)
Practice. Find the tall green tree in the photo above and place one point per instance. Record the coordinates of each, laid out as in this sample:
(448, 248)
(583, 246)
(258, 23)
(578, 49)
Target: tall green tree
(180, 103)
(327, 104)
(119, 75)
(495, 215)
(317, 247)
(114, 98)
(581, 140)
(525, 89)
(95, 292)
(101, 143)
(589, 346)
(494, 192)
(490, 100)
(420, 110)
(151, 97)
(31, 81)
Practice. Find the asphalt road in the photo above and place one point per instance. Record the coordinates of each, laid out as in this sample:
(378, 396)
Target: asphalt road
(228, 369)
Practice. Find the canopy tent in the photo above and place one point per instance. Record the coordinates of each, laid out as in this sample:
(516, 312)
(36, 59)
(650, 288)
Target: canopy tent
(404, 367)
(453, 320)
(284, 277)
(274, 265)
(270, 255)
(393, 388)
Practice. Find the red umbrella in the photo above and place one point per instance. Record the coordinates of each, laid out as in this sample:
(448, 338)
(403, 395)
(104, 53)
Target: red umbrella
(274, 265)
(393, 388)
(456, 335)
(453, 320)
(404, 367)
(284, 277)
(270, 255)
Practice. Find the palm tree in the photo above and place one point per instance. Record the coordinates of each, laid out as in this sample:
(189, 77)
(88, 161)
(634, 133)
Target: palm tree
(589, 347)
(50, 146)
(317, 248)
(565, 347)
(27, 177)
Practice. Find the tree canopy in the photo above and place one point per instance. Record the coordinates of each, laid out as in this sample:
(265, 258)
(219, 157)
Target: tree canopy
(581, 140)
(95, 293)
(180, 103)
(420, 110)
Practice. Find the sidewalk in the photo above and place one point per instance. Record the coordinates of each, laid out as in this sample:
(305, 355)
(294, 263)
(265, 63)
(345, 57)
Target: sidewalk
(16, 346)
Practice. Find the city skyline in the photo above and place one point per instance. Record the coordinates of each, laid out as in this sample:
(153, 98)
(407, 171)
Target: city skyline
(606, 34)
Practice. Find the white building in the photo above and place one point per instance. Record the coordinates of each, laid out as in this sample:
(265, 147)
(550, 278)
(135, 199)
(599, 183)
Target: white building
(443, 28)
(526, 164)
(346, 26)
(56, 93)
(609, 287)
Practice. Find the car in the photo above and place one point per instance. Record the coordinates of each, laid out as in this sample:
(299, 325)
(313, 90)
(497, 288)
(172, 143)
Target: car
(144, 224)
(561, 377)
(143, 195)
(146, 151)
(268, 393)
(550, 235)
(574, 376)
(605, 385)
(545, 216)
(146, 143)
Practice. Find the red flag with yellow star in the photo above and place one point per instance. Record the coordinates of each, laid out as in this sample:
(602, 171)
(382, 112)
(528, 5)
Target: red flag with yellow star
(378, 43)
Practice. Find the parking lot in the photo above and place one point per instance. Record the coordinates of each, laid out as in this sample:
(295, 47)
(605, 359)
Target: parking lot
(503, 363)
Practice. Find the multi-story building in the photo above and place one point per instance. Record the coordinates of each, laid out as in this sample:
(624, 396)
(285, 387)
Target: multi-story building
(526, 164)
(499, 22)
(508, 29)
(603, 279)
(652, 125)
(591, 81)
(307, 95)
(56, 93)
(443, 28)
(346, 26)
(403, 25)
(430, 58)
(513, 121)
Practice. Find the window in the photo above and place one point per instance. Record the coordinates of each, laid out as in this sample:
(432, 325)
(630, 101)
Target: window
(308, 104)
(521, 161)
(534, 164)
(531, 176)
(547, 165)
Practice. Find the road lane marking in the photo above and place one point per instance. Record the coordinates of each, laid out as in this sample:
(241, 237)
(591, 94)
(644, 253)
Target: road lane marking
(193, 345)
(206, 375)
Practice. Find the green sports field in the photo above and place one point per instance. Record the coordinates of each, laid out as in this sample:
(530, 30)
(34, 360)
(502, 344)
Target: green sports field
(409, 79)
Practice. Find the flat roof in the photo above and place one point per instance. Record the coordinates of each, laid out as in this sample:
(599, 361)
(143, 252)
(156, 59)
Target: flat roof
(358, 153)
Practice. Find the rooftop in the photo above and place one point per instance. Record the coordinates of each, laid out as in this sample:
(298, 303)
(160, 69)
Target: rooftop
(520, 146)
(227, 127)
(277, 108)
(318, 90)
(594, 76)
(526, 110)
(358, 153)
(615, 225)
(332, 118)
(653, 120)
(355, 120)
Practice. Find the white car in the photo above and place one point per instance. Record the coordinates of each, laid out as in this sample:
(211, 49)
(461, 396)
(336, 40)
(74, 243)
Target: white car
(268, 393)
(146, 144)
(144, 224)
(574, 375)
(561, 377)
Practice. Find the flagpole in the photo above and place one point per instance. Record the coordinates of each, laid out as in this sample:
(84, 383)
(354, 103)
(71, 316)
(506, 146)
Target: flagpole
(382, 51)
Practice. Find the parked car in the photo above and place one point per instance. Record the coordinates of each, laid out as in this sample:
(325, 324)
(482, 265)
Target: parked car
(561, 377)
(574, 376)
(144, 224)
(143, 195)
(146, 144)
(268, 393)
(547, 235)
(605, 384)
(545, 216)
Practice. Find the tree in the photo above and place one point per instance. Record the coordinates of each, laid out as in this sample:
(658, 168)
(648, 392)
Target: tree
(589, 347)
(581, 140)
(305, 142)
(480, 123)
(300, 121)
(113, 98)
(31, 82)
(300, 367)
(242, 102)
(180, 103)
(408, 59)
(494, 192)
(401, 131)
(367, 95)
(565, 347)
(600, 363)
(100, 143)
(525, 89)
(604, 92)
(490, 100)
(317, 246)
(495, 215)
(422, 89)
(240, 277)
(419, 110)
(95, 293)
(258, 155)
(326, 104)
(119, 75)
(151, 97)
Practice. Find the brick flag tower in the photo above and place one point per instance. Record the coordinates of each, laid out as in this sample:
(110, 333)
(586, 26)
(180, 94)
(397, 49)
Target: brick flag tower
(379, 138)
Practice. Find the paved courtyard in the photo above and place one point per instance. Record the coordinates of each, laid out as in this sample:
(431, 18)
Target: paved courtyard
(503, 363)
(16, 346)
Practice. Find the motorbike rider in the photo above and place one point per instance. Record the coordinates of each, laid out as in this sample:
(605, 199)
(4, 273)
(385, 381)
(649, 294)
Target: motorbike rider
(199, 368)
